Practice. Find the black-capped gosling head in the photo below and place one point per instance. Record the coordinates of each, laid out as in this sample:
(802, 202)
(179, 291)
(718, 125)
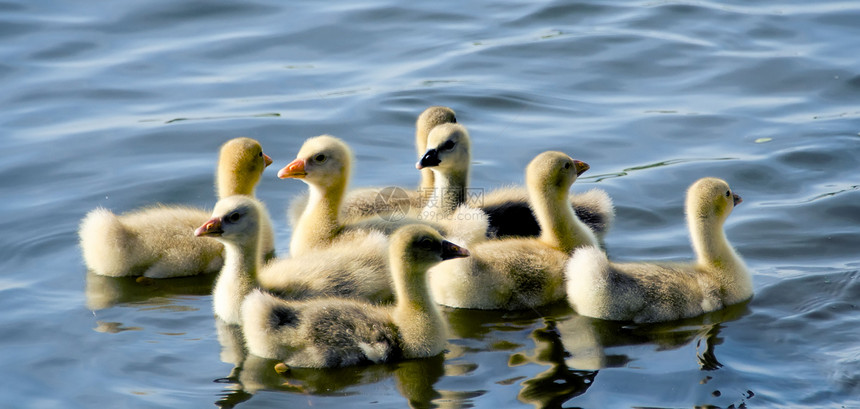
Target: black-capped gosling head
(242, 161)
(448, 149)
(711, 198)
(234, 219)
(429, 119)
(422, 245)
(323, 160)
(553, 172)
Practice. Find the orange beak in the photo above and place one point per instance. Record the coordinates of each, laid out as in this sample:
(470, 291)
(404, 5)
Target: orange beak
(212, 228)
(296, 169)
(580, 166)
(267, 159)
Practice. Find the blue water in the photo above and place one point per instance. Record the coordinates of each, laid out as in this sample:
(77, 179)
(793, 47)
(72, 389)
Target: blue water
(124, 104)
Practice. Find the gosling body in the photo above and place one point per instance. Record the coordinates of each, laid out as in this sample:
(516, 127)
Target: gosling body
(335, 332)
(654, 292)
(517, 273)
(157, 241)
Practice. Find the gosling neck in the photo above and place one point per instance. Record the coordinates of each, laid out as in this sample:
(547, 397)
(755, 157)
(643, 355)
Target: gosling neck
(449, 191)
(710, 244)
(229, 182)
(318, 224)
(559, 226)
(237, 278)
(715, 254)
(422, 327)
(410, 286)
(425, 188)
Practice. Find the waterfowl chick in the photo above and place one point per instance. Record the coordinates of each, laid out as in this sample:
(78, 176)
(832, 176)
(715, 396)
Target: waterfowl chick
(448, 157)
(357, 270)
(427, 121)
(334, 332)
(236, 223)
(364, 202)
(324, 164)
(653, 292)
(517, 272)
(157, 241)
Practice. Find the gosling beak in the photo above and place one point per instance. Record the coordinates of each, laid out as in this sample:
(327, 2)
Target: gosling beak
(267, 160)
(296, 169)
(737, 199)
(580, 167)
(430, 159)
(212, 228)
(451, 250)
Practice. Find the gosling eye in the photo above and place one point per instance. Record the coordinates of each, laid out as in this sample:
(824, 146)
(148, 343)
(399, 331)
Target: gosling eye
(425, 243)
(234, 217)
(320, 158)
(261, 154)
(728, 193)
(567, 165)
(448, 145)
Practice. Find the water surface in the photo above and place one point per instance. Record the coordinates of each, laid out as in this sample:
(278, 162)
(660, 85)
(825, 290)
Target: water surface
(124, 104)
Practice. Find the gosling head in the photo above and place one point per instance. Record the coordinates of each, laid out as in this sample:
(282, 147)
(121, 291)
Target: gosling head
(236, 219)
(429, 119)
(554, 172)
(448, 149)
(322, 161)
(242, 161)
(711, 199)
(423, 246)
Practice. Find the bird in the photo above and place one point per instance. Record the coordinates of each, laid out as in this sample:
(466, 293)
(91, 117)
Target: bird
(356, 270)
(369, 201)
(236, 223)
(338, 332)
(521, 272)
(448, 157)
(157, 241)
(656, 292)
(324, 163)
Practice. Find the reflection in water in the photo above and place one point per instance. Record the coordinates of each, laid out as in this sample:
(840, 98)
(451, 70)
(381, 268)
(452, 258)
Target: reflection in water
(475, 324)
(550, 388)
(105, 292)
(559, 383)
(114, 327)
(250, 373)
(587, 339)
(415, 379)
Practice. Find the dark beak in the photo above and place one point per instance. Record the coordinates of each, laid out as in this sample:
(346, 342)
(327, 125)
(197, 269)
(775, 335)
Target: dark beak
(212, 228)
(581, 167)
(737, 199)
(431, 158)
(451, 250)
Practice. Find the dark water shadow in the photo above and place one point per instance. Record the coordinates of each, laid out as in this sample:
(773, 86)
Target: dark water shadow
(105, 292)
(476, 324)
